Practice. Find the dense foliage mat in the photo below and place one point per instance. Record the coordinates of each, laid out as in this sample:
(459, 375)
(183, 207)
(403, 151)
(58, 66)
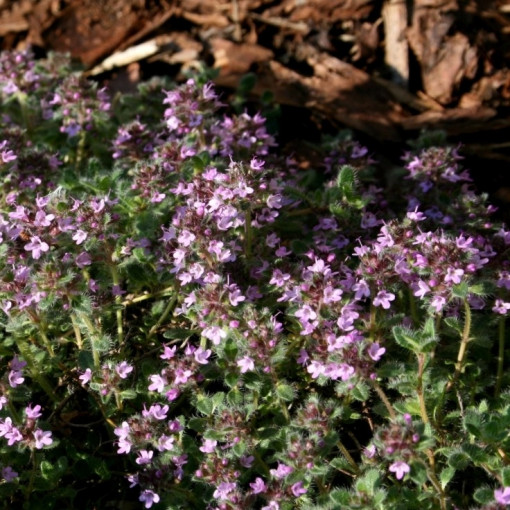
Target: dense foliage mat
(191, 320)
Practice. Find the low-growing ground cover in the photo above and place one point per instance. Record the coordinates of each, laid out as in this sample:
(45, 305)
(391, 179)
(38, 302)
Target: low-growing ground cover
(190, 320)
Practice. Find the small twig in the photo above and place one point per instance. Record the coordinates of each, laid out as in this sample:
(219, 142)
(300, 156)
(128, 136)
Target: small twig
(282, 23)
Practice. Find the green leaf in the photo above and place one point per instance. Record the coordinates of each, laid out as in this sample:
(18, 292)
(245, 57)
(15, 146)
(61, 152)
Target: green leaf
(458, 460)
(368, 482)
(340, 497)
(128, 394)
(285, 392)
(205, 405)
(505, 476)
(232, 379)
(197, 424)
(446, 476)
(418, 473)
(406, 339)
(52, 471)
(346, 181)
(218, 399)
(461, 290)
(361, 392)
(484, 495)
(247, 82)
(341, 464)
(177, 333)
(235, 397)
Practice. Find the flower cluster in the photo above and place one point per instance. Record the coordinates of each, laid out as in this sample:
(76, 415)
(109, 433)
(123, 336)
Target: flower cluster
(210, 324)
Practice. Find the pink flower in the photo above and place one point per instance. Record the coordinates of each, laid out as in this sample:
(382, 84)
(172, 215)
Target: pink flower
(375, 351)
(36, 246)
(281, 471)
(502, 496)
(202, 356)
(215, 334)
(123, 369)
(501, 307)
(149, 498)
(223, 490)
(400, 468)
(79, 237)
(8, 474)
(208, 445)
(86, 376)
(383, 299)
(315, 368)
(298, 489)
(42, 438)
(246, 364)
(144, 457)
(258, 486)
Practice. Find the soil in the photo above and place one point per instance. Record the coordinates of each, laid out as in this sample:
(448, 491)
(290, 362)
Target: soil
(385, 69)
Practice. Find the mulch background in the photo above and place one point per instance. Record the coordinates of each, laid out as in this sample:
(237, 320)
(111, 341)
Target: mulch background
(385, 69)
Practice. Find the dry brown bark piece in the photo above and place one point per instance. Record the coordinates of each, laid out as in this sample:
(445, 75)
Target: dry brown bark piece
(336, 90)
(445, 60)
(322, 11)
(237, 59)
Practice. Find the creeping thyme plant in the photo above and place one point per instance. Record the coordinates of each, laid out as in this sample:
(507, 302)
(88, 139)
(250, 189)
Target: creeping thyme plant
(191, 320)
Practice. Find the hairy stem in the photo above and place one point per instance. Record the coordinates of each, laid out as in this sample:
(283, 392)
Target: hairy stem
(385, 399)
(501, 356)
(459, 365)
(419, 388)
(166, 312)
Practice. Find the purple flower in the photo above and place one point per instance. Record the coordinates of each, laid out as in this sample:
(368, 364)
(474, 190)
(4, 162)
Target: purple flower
(246, 461)
(83, 259)
(370, 451)
(123, 369)
(420, 289)
(42, 438)
(246, 364)
(42, 219)
(400, 468)
(149, 498)
(375, 351)
(123, 431)
(281, 471)
(223, 490)
(258, 486)
(33, 412)
(215, 334)
(202, 356)
(158, 383)
(165, 443)
(86, 376)
(501, 307)
(144, 457)
(156, 411)
(383, 299)
(79, 236)
(36, 246)
(502, 496)
(315, 368)
(8, 474)
(168, 352)
(208, 445)
(298, 489)
(182, 376)
(15, 378)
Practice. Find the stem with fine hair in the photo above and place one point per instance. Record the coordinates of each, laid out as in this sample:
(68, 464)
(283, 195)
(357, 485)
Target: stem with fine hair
(501, 356)
(384, 398)
(459, 365)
